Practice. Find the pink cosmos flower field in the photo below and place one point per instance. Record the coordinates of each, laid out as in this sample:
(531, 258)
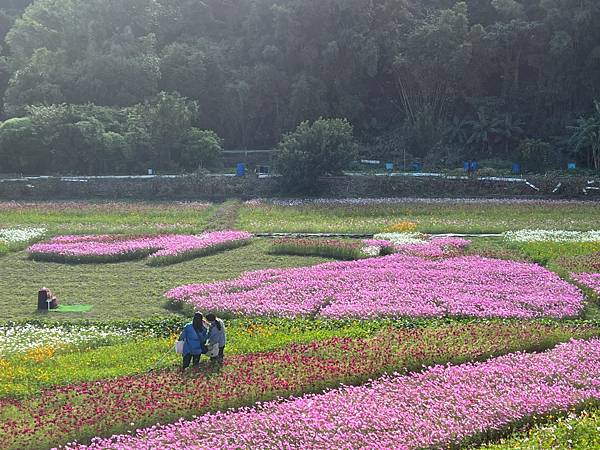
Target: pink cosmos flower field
(442, 406)
(161, 249)
(392, 286)
(591, 280)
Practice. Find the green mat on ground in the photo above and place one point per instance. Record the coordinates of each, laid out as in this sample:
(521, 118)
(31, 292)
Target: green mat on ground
(72, 308)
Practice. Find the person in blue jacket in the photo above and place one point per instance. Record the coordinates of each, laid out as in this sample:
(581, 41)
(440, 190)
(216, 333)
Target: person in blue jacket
(194, 336)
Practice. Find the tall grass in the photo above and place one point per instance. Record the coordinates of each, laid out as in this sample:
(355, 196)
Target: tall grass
(325, 248)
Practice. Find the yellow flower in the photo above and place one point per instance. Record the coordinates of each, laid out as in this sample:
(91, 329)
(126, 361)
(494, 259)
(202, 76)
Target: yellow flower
(40, 354)
(405, 226)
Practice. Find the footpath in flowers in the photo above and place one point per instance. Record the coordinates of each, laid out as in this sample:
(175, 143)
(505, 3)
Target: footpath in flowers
(160, 249)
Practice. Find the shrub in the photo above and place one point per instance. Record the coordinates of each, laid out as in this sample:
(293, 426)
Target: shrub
(312, 150)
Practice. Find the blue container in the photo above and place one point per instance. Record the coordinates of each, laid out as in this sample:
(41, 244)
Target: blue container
(572, 166)
(389, 166)
(474, 166)
(240, 170)
(466, 166)
(516, 168)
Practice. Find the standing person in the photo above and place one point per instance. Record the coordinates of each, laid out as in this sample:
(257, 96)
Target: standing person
(194, 336)
(216, 338)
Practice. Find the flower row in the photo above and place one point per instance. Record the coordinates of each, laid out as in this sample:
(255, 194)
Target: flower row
(17, 235)
(591, 280)
(443, 406)
(110, 207)
(162, 249)
(436, 247)
(401, 200)
(83, 410)
(552, 235)
(327, 248)
(401, 238)
(19, 339)
(392, 286)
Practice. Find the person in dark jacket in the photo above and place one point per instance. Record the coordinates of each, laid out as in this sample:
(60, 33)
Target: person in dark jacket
(194, 336)
(216, 338)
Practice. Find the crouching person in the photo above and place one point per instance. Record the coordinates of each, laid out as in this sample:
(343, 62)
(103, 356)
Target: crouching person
(216, 338)
(194, 336)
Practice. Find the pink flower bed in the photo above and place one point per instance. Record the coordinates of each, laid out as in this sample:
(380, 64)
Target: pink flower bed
(434, 248)
(377, 243)
(161, 249)
(441, 407)
(591, 280)
(392, 286)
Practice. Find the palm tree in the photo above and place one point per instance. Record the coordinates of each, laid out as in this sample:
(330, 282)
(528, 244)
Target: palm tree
(482, 130)
(456, 131)
(587, 136)
(509, 130)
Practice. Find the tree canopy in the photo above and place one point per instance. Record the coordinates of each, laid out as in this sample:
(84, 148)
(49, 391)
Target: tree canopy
(115, 85)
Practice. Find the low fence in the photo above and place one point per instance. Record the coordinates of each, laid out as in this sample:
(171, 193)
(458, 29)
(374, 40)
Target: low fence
(217, 187)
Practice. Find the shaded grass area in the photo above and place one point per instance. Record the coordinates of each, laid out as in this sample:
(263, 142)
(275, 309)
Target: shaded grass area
(123, 290)
(454, 217)
(107, 217)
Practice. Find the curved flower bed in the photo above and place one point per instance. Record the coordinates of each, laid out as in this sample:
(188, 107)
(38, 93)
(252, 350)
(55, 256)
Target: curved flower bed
(443, 406)
(161, 249)
(392, 286)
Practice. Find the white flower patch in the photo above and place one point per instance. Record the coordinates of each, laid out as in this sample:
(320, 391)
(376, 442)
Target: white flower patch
(15, 235)
(371, 250)
(402, 238)
(552, 236)
(22, 338)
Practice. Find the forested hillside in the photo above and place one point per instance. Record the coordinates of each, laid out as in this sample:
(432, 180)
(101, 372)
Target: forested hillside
(114, 86)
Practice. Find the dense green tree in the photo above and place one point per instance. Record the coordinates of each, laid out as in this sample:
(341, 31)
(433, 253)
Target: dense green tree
(534, 154)
(483, 132)
(509, 130)
(586, 137)
(200, 149)
(325, 146)
(400, 71)
(19, 151)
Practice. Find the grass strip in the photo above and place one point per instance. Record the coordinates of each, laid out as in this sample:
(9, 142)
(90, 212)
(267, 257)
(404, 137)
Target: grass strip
(452, 216)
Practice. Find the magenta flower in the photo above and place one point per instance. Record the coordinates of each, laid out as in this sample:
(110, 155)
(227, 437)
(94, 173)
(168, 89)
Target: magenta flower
(393, 286)
(591, 280)
(443, 406)
(166, 248)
